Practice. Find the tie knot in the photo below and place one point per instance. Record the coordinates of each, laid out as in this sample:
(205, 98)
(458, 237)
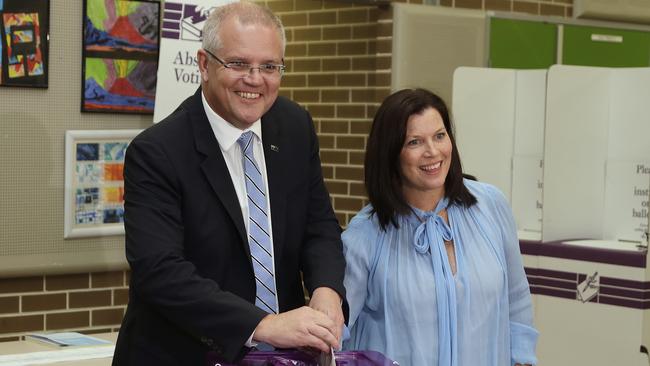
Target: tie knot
(245, 140)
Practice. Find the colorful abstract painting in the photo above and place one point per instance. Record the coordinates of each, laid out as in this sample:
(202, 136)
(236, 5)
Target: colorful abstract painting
(23, 46)
(120, 58)
(94, 196)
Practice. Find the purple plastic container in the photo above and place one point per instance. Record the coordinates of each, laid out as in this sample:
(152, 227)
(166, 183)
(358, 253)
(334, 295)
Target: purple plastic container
(299, 358)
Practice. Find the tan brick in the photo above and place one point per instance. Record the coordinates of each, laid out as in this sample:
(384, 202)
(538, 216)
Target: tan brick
(296, 81)
(328, 172)
(336, 187)
(294, 19)
(280, 5)
(334, 126)
(88, 299)
(22, 323)
(525, 7)
(351, 80)
(360, 127)
(285, 93)
(445, 2)
(548, 9)
(321, 110)
(351, 173)
(382, 79)
(75, 319)
(563, 1)
(502, 5)
(364, 95)
(384, 29)
(333, 157)
(308, 4)
(383, 63)
(44, 302)
(350, 142)
(358, 189)
(322, 17)
(296, 50)
(120, 296)
(21, 284)
(306, 65)
(307, 34)
(364, 63)
(9, 339)
(353, 16)
(337, 33)
(9, 304)
(350, 111)
(371, 110)
(569, 12)
(321, 49)
(336, 5)
(335, 95)
(66, 282)
(321, 80)
(107, 279)
(357, 157)
(336, 64)
(364, 31)
(473, 4)
(348, 204)
(107, 317)
(383, 46)
(304, 96)
(352, 48)
(288, 34)
(382, 13)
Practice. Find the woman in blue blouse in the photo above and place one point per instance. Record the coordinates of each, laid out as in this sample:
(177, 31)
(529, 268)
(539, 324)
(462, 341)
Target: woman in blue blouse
(434, 274)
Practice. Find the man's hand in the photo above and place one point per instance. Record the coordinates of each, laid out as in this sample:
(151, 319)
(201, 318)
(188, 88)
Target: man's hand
(302, 327)
(328, 301)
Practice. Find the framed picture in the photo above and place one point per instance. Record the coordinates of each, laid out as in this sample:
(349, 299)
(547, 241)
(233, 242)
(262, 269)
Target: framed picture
(120, 55)
(94, 182)
(24, 37)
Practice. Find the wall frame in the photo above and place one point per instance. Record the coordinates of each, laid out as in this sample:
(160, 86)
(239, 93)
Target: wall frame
(94, 182)
(120, 55)
(24, 39)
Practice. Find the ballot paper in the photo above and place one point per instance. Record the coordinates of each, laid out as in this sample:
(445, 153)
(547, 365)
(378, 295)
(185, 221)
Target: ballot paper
(326, 358)
(67, 339)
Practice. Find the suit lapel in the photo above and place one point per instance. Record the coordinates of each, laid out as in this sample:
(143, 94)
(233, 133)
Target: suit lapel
(276, 176)
(214, 167)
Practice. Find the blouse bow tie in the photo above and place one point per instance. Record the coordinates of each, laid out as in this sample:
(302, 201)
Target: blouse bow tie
(433, 227)
(432, 234)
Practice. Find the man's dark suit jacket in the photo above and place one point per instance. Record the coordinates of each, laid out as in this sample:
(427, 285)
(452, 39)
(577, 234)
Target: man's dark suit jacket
(192, 285)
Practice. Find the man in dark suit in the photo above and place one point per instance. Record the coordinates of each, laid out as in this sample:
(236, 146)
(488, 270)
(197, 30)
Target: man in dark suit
(190, 230)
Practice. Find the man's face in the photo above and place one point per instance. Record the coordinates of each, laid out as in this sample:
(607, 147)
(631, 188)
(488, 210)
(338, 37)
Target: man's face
(242, 99)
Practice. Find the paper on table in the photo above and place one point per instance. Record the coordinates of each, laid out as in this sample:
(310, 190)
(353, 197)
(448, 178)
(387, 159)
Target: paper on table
(67, 339)
(68, 354)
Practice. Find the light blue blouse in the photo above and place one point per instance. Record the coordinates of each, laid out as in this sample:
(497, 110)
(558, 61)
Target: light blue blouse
(405, 302)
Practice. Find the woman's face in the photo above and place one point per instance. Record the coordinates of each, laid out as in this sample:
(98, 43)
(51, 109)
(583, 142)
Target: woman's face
(425, 159)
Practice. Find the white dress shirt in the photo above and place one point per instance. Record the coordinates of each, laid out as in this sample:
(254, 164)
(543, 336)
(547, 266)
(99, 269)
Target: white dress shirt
(227, 136)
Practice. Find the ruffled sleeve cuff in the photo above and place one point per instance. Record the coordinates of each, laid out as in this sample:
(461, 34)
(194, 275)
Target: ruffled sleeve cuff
(523, 340)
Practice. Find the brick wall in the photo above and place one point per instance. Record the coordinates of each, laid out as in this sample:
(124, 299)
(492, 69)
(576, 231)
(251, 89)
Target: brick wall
(339, 60)
(88, 302)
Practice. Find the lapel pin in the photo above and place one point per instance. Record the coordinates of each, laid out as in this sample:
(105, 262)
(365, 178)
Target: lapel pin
(275, 148)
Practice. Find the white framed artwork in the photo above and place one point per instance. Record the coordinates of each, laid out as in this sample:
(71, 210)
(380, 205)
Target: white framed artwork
(94, 182)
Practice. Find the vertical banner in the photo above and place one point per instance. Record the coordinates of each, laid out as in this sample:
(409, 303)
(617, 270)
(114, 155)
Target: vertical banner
(178, 70)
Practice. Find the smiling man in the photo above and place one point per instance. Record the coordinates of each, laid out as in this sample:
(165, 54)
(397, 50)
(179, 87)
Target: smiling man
(226, 212)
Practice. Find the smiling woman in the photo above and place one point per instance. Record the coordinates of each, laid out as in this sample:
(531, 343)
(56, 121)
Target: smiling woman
(434, 274)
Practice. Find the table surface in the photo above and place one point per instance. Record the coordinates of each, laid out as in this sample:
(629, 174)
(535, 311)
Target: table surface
(7, 348)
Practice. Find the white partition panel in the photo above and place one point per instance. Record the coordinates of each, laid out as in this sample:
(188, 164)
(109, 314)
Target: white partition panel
(577, 124)
(499, 118)
(484, 111)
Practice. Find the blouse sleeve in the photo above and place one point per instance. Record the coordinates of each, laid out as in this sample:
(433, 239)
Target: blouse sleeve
(356, 246)
(523, 336)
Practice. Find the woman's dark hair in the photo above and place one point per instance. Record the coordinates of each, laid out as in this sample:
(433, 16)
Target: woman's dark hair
(383, 178)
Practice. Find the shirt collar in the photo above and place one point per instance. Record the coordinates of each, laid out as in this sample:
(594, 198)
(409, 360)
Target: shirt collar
(224, 131)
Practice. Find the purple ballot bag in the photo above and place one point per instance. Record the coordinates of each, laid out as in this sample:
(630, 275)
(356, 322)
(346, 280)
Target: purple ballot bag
(299, 358)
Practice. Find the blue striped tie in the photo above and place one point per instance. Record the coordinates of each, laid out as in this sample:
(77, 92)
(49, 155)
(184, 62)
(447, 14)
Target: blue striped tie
(259, 239)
